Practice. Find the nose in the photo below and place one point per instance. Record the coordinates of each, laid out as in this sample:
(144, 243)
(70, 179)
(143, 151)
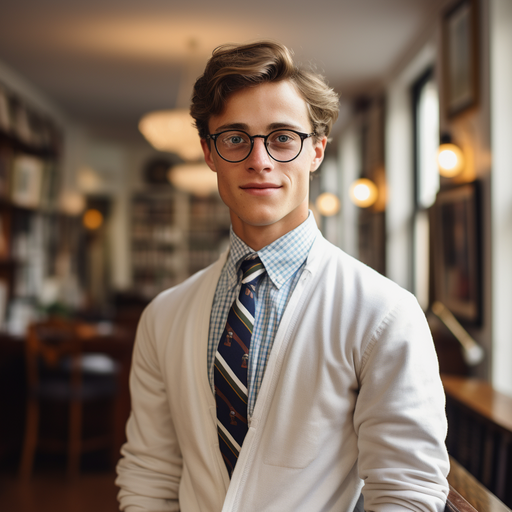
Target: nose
(259, 160)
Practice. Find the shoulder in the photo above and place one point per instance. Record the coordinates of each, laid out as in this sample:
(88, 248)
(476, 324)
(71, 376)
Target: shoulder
(356, 299)
(353, 278)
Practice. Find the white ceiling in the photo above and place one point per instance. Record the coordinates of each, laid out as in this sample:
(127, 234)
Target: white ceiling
(106, 62)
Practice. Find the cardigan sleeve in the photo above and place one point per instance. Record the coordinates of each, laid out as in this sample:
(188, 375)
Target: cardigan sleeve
(149, 471)
(400, 415)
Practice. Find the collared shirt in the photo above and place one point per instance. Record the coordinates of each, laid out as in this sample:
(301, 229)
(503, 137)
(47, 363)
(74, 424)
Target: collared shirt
(284, 261)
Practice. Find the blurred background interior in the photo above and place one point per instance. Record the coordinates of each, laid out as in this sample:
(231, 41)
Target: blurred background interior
(104, 202)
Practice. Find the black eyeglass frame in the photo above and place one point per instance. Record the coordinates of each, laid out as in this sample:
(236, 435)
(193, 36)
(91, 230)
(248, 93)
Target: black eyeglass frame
(303, 137)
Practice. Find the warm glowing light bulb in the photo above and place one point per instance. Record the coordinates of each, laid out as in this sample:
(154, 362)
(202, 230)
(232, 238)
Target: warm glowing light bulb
(450, 160)
(328, 204)
(363, 193)
(447, 159)
(92, 219)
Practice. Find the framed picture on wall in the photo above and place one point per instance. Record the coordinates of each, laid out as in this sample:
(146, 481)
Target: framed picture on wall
(456, 252)
(460, 56)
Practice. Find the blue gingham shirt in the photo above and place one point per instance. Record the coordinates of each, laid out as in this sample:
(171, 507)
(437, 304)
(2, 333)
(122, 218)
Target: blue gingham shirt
(284, 261)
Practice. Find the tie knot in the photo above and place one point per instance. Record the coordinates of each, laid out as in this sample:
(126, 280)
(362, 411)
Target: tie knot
(252, 270)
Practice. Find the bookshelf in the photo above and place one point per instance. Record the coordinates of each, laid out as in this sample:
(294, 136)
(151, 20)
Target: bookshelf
(173, 235)
(31, 236)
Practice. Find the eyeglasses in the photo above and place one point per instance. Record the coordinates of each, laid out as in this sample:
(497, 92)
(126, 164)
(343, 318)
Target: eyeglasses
(236, 145)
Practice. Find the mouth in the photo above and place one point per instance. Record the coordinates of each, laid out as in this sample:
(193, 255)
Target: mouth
(259, 186)
(260, 189)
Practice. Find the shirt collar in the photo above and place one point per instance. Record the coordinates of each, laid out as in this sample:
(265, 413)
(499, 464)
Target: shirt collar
(282, 258)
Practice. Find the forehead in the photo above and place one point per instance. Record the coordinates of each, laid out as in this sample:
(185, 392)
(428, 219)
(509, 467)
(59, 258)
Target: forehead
(263, 106)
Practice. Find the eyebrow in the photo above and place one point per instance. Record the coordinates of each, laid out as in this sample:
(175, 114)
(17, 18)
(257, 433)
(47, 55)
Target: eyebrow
(270, 127)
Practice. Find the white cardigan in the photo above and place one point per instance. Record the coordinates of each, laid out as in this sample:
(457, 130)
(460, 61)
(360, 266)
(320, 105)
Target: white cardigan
(351, 396)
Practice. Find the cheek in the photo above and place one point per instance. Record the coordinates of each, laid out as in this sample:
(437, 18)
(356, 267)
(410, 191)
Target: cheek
(227, 190)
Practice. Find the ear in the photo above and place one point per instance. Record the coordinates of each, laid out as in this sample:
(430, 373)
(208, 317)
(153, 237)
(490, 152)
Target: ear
(208, 155)
(319, 149)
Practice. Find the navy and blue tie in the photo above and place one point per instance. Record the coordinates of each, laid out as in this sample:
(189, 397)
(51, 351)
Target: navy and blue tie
(231, 362)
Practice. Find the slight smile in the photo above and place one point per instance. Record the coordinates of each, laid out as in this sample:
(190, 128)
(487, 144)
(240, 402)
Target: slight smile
(260, 189)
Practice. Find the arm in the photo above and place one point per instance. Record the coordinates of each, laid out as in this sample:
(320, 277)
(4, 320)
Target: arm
(149, 472)
(400, 416)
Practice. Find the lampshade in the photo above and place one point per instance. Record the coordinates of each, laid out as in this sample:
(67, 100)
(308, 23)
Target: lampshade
(173, 131)
(197, 179)
(72, 203)
(363, 192)
(450, 160)
(328, 204)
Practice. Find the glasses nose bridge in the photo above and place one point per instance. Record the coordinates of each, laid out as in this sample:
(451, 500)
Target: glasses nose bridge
(264, 137)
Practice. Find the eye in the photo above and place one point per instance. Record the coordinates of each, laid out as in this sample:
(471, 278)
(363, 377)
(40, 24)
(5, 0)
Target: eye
(231, 139)
(282, 137)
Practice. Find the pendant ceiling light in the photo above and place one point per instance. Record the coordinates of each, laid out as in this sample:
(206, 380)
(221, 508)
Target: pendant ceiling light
(173, 130)
(195, 178)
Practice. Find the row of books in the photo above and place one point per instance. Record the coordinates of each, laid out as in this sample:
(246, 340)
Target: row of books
(26, 125)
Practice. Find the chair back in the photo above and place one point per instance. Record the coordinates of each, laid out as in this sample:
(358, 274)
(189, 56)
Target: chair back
(52, 350)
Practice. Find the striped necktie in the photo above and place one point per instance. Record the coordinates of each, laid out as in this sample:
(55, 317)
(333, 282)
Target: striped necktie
(230, 371)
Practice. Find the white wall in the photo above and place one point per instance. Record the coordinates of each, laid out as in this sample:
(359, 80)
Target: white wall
(501, 190)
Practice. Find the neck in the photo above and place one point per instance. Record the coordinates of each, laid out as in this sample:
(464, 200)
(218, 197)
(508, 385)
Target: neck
(257, 237)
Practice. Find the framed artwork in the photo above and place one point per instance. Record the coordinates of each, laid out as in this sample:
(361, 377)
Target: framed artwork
(460, 56)
(456, 252)
(27, 177)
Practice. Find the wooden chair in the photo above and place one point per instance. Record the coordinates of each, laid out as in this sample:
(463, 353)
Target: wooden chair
(58, 371)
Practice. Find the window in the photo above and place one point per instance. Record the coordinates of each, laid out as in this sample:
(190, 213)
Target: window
(426, 142)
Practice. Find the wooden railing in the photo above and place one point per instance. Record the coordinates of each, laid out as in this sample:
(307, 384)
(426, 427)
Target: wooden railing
(480, 433)
(469, 495)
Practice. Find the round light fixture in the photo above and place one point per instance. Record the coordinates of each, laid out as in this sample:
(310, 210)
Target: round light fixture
(173, 131)
(327, 204)
(450, 160)
(363, 193)
(197, 179)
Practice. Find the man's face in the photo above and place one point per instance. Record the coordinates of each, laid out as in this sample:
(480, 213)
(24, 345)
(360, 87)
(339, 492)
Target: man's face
(267, 199)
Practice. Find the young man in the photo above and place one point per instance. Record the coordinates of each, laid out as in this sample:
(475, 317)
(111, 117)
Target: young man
(287, 376)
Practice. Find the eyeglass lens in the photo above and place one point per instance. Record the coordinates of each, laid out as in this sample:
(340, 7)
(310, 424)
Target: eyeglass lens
(282, 145)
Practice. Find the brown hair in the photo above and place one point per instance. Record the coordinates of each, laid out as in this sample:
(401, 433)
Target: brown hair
(234, 67)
